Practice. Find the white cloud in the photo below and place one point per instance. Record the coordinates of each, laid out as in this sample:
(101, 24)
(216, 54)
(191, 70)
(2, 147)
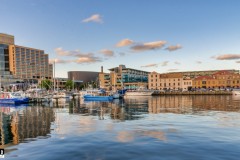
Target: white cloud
(59, 61)
(150, 65)
(82, 60)
(172, 70)
(199, 62)
(94, 18)
(227, 57)
(107, 52)
(173, 48)
(148, 46)
(165, 63)
(61, 52)
(124, 42)
(82, 57)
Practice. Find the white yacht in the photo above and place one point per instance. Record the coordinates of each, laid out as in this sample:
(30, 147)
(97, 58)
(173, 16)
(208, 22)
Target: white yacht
(141, 91)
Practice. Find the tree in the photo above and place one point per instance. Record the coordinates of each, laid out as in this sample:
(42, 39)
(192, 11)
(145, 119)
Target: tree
(69, 84)
(46, 84)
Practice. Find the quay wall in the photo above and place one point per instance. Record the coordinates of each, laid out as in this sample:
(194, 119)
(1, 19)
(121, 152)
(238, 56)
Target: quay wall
(193, 93)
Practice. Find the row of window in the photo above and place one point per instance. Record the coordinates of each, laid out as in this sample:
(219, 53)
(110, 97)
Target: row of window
(164, 80)
(165, 84)
(217, 82)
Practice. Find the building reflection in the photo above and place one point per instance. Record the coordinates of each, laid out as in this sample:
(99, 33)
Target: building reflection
(217, 103)
(170, 104)
(133, 108)
(24, 124)
(189, 104)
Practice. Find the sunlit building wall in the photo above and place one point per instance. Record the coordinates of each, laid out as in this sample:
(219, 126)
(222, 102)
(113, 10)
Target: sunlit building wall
(168, 81)
(23, 62)
(221, 79)
(122, 76)
(6, 77)
(29, 63)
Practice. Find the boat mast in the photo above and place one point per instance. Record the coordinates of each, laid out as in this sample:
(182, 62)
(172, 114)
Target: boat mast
(54, 76)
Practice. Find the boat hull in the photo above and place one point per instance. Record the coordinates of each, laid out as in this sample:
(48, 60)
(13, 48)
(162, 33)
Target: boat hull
(137, 93)
(14, 100)
(97, 98)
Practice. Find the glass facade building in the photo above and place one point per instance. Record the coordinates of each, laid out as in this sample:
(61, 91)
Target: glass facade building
(122, 76)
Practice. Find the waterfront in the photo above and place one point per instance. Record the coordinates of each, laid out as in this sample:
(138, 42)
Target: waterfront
(155, 127)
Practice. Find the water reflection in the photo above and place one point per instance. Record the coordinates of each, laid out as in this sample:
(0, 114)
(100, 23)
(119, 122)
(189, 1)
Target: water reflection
(24, 123)
(133, 108)
(177, 122)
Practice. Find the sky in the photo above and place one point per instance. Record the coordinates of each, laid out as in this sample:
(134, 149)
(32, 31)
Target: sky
(150, 35)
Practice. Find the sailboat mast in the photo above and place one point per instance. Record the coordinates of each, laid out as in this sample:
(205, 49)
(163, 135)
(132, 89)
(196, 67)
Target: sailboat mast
(54, 76)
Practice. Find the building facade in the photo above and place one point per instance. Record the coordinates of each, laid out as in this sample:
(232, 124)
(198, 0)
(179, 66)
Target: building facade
(220, 79)
(194, 74)
(168, 81)
(24, 63)
(29, 63)
(83, 76)
(122, 76)
(185, 81)
(6, 76)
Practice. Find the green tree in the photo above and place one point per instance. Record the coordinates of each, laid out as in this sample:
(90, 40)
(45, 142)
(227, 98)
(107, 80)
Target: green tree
(46, 84)
(69, 84)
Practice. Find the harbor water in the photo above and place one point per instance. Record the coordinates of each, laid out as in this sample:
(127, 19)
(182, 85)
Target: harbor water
(170, 127)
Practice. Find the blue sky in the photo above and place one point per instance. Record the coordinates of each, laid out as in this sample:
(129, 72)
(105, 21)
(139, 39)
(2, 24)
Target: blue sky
(150, 35)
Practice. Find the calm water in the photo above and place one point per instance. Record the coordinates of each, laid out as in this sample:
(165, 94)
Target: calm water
(167, 127)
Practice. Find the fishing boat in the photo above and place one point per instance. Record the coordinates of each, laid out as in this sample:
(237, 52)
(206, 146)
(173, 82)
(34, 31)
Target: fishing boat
(97, 98)
(139, 92)
(13, 98)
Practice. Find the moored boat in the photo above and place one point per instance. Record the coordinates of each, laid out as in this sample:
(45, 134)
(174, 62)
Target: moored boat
(139, 92)
(116, 95)
(236, 92)
(58, 95)
(97, 98)
(13, 98)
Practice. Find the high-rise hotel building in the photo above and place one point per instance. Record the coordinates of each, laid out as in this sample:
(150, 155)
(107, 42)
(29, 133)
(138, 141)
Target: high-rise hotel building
(23, 62)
